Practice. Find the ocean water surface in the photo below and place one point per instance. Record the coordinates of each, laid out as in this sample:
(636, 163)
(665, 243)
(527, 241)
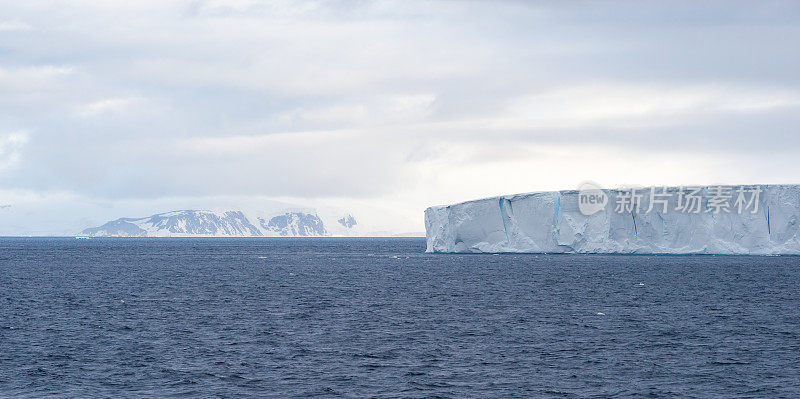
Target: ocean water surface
(380, 318)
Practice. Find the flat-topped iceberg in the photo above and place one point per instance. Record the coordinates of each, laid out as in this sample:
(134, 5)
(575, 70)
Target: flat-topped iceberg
(757, 220)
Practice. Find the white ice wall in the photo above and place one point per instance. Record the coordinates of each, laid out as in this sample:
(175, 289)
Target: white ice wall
(551, 222)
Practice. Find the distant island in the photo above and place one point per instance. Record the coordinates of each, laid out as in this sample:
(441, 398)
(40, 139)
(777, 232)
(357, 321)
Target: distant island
(233, 223)
(237, 223)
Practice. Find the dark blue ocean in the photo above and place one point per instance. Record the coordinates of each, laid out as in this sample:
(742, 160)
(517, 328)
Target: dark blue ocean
(360, 318)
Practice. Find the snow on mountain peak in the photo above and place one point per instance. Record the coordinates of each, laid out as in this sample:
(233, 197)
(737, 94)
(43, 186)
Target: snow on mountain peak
(227, 223)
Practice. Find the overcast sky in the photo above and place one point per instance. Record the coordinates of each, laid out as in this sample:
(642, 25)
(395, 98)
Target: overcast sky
(114, 108)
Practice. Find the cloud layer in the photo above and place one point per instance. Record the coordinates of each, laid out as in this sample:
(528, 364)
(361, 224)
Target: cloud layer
(397, 103)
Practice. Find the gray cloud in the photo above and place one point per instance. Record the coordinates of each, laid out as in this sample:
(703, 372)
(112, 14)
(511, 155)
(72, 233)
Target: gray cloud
(386, 100)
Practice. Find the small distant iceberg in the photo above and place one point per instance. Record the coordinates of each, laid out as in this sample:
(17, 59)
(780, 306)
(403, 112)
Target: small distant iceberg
(741, 220)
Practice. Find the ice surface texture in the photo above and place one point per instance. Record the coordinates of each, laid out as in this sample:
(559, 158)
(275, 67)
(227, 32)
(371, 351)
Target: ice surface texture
(551, 222)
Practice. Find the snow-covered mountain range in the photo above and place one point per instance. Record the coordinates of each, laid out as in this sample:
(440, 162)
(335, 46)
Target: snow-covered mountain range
(230, 223)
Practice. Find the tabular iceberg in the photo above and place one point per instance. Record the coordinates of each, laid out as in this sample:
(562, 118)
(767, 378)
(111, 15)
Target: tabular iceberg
(723, 222)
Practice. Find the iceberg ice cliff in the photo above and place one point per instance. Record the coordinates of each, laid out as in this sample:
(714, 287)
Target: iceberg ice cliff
(552, 222)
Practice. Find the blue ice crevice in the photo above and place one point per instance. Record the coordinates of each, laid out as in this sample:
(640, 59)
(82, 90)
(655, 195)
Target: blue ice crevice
(769, 229)
(505, 216)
